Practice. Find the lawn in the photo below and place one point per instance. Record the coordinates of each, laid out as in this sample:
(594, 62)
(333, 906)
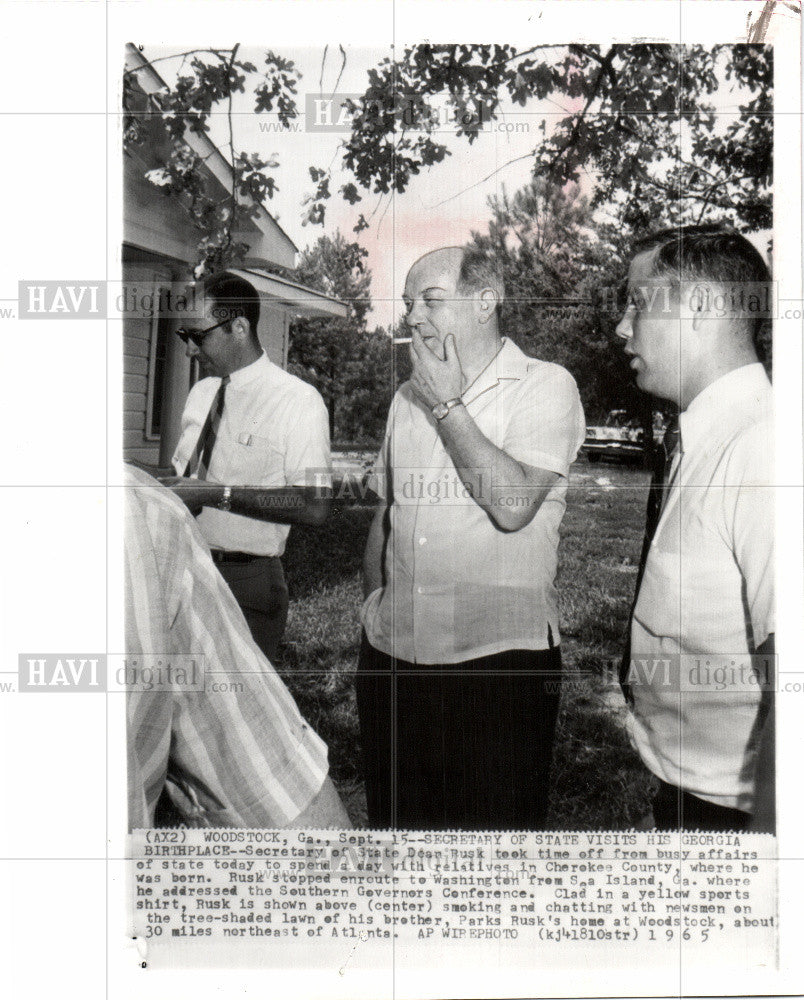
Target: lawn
(598, 781)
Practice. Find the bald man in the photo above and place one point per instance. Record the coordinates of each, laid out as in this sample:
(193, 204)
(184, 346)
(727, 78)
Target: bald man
(459, 670)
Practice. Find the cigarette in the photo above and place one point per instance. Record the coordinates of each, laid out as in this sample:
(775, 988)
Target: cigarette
(402, 340)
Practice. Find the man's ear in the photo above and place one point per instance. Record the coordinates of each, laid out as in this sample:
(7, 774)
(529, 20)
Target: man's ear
(241, 327)
(700, 304)
(700, 313)
(487, 303)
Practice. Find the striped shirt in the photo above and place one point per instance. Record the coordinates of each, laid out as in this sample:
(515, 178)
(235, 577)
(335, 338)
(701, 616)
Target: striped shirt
(237, 753)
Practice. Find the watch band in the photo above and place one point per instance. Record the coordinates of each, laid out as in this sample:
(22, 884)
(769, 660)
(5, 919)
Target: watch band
(440, 410)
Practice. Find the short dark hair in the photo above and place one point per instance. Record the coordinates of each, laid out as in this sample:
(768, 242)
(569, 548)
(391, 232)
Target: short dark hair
(233, 296)
(480, 270)
(712, 253)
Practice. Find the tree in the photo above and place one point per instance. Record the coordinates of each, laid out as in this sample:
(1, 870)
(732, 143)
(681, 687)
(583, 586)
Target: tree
(538, 236)
(328, 352)
(207, 79)
(562, 271)
(643, 120)
(370, 388)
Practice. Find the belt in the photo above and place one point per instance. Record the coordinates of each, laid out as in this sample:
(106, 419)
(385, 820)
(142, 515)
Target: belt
(221, 556)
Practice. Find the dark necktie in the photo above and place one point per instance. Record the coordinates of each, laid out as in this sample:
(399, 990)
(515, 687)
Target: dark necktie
(202, 453)
(657, 496)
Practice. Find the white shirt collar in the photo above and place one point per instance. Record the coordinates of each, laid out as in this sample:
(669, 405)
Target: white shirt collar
(249, 372)
(508, 363)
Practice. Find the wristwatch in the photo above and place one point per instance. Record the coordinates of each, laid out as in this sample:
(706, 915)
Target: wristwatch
(226, 500)
(440, 410)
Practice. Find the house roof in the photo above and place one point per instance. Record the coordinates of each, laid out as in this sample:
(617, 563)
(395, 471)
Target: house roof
(275, 246)
(297, 298)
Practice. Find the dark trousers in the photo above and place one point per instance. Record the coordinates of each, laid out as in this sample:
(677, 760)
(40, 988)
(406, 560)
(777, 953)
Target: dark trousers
(675, 809)
(465, 745)
(259, 588)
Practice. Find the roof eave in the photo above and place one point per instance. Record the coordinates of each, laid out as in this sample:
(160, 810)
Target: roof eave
(214, 160)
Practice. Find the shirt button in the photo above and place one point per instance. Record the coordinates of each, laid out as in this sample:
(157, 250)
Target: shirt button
(422, 541)
(419, 590)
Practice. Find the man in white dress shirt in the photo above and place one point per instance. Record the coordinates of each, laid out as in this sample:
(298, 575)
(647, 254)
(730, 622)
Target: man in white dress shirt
(253, 455)
(702, 632)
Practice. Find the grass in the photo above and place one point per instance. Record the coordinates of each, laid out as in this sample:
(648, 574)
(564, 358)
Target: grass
(598, 780)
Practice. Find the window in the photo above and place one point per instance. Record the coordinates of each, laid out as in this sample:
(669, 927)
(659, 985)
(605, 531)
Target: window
(161, 330)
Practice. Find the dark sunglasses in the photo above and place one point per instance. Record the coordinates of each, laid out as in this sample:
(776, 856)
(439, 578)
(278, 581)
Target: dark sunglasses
(196, 335)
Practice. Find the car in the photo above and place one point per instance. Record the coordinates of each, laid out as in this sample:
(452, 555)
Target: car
(619, 437)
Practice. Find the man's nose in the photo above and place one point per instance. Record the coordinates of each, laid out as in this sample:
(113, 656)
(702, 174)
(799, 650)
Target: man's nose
(624, 329)
(414, 314)
(192, 349)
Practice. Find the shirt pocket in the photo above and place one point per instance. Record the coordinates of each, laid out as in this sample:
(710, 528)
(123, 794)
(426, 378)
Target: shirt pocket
(256, 461)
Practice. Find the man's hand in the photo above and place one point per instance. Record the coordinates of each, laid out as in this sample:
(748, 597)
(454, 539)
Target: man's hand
(194, 493)
(435, 379)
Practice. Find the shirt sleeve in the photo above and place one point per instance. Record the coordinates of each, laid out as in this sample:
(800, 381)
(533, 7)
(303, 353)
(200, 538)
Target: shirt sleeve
(547, 426)
(308, 460)
(750, 518)
(241, 754)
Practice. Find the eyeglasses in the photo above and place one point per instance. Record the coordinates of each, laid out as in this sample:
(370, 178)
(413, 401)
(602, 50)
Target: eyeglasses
(197, 336)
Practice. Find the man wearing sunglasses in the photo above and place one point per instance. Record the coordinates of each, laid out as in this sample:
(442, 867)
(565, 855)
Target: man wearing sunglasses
(252, 455)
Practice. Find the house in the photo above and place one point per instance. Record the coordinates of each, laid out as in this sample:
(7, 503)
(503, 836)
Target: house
(158, 255)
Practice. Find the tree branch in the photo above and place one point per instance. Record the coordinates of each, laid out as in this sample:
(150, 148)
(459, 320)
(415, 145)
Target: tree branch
(219, 53)
(708, 199)
(343, 67)
(671, 152)
(521, 55)
(687, 194)
(516, 159)
(603, 60)
(604, 68)
(321, 71)
(230, 221)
